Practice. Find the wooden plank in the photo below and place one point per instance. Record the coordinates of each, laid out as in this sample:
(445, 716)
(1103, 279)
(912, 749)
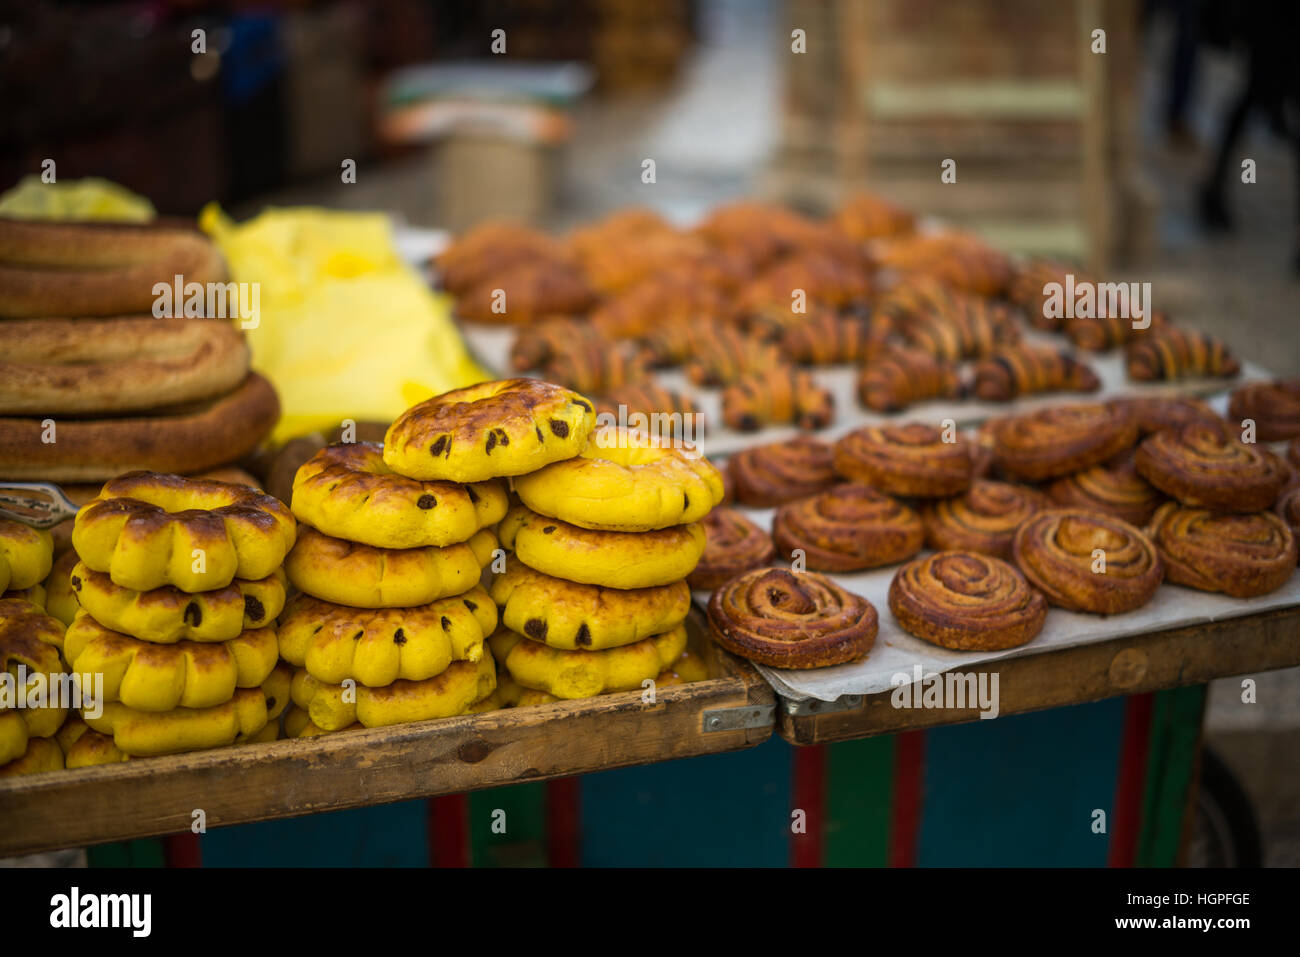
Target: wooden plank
(377, 766)
(1166, 659)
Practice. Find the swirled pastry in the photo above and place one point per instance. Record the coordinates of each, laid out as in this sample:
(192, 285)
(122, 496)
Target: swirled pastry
(1113, 487)
(1153, 413)
(733, 545)
(1175, 353)
(1206, 466)
(1059, 440)
(537, 343)
(1275, 407)
(522, 293)
(1027, 370)
(896, 378)
(730, 355)
(789, 619)
(966, 601)
(779, 472)
(1086, 561)
(911, 460)
(658, 301)
(983, 520)
(1288, 508)
(848, 528)
(779, 396)
(1239, 555)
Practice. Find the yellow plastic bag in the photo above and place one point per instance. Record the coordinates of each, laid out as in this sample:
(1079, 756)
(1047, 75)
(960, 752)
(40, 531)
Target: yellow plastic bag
(91, 198)
(345, 328)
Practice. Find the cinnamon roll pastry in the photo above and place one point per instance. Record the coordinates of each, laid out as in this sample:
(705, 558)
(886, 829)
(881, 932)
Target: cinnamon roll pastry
(733, 545)
(1027, 370)
(827, 338)
(981, 451)
(1207, 466)
(1103, 333)
(1028, 289)
(593, 364)
(789, 619)
(1239, 555)
(848, 528)
(1153, 413)
(899, 377)
(1288, 509)
(780, 472)
(966, 601)
(965, 327)
(910, 460)
(1059, 440)
(1175, 353)
(1114, 488)
(1086, 561)
(778, 396)
(728, 356)
(865, 216)
(983, 520)
(1275, 407)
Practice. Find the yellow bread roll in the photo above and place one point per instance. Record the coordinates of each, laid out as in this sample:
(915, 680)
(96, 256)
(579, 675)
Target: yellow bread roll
(583, 674)
(60, 600)
(42, 754)
(147, 733)
(363, 576)
(30, 644)
(378, 646)
(624, 481)
(566, 614)
(346, 491)
(26, 555)
(152, 677)
(489, 430)
(333, 707)
(612, 559)
(147, 530)
(167, 615)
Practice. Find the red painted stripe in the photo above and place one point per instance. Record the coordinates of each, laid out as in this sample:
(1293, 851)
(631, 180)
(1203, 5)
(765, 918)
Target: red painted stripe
(182, 850)
(809, 793)
(563, 822)
(449, 831)
(909, 786)
(1130, 782)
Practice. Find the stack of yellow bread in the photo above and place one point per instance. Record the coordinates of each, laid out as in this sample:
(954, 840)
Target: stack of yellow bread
(174, 648)
(594, 598)
(31, 644)
(392, 622)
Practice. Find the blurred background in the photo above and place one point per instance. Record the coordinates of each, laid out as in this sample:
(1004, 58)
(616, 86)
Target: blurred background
(1128, 160)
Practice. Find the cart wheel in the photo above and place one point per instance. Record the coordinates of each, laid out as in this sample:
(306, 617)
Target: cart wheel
(1225, 832)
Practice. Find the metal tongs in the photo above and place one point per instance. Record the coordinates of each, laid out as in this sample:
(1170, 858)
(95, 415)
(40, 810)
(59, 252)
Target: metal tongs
(38, 504)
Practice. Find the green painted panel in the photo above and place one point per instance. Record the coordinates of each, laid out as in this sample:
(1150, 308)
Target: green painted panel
(523, 843)
(859, 783)
(1171, 758)
(146, 852)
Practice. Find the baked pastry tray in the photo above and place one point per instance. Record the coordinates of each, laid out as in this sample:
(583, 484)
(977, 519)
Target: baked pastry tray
(491, 346)
(896, 653)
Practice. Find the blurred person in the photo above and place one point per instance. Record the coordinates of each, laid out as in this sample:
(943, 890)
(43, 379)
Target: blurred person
(1266, 31)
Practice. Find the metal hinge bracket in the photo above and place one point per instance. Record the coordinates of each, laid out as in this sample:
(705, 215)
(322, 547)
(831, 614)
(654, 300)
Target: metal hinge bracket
(740, 719)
